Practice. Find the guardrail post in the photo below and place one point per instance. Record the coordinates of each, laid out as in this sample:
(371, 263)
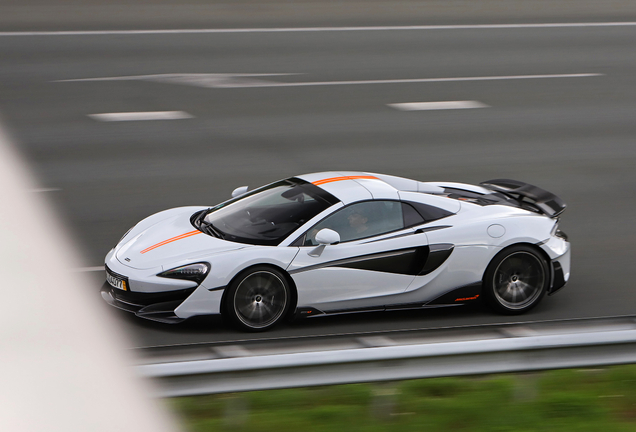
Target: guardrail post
(236, 411)
(384, 400)
(526, 386)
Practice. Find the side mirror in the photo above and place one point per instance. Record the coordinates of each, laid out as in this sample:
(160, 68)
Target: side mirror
(239, 191)
(327, 236)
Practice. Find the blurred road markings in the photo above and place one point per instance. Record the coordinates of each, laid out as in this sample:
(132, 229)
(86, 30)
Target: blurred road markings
(317, 29)
(445, 105)
(38, 190)
(88, 269)
(137, 116)
(208, 80)
(236, 81)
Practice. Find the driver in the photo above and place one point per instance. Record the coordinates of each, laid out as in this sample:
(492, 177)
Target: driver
(358, 222)
(351, 224)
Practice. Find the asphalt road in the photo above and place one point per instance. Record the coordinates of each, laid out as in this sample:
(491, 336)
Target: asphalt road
(572, 135)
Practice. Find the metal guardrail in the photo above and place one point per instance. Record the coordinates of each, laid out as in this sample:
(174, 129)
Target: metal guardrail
(518, 348)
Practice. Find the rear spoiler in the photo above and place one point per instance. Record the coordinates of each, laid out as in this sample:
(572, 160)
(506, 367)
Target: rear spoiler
(548, 203)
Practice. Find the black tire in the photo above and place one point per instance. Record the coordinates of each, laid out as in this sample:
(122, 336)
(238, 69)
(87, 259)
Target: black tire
(516, 280)
(258, 298)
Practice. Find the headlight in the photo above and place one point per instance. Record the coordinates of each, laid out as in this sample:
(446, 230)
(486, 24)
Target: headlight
(194, 272)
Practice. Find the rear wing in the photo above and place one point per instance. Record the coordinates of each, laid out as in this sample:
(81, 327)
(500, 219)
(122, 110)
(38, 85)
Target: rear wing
(546, 202)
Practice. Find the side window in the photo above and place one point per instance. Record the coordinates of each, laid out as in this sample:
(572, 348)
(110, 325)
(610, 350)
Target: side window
(361, 220)
(429, 212)
(411, 216)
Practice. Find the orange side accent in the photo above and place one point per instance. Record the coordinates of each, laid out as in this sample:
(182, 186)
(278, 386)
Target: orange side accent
(335, 179)
(467, 298)
(170, 240)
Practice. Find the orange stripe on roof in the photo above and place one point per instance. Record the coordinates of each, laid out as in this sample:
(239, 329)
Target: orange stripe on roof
(335, 179)
(170, 240)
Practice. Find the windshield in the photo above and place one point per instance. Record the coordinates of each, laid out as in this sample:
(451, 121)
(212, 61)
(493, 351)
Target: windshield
(266, 216)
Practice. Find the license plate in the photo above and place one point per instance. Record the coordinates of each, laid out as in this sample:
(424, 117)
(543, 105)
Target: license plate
(116, 282)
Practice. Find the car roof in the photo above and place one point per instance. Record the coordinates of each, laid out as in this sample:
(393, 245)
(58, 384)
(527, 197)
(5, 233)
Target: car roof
(351, 186)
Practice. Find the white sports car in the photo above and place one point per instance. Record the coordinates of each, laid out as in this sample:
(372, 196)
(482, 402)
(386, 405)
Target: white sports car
(338, 242)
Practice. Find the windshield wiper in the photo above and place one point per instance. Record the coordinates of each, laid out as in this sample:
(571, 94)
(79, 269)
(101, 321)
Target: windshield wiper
(209, 227)
(206, 227)
(199, 219)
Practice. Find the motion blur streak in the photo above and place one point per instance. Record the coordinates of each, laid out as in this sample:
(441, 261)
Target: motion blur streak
(228, 81)
(140, 116)
(317, 29)
(60, 364)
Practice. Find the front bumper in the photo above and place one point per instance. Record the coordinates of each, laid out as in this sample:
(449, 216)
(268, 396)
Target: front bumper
(153, 306)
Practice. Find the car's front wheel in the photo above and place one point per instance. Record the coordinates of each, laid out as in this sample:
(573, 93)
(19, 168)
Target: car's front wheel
(258, 298)
(516, 280)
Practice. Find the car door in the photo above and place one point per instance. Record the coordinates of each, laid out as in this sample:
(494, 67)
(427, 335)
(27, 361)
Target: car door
(378, 256)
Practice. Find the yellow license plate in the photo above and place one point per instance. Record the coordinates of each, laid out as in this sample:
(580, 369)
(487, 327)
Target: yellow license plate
(116, 282)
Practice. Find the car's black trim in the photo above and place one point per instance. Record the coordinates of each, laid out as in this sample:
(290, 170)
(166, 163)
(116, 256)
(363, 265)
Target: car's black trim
(408, 261)
(153, 306)
(428, 212)
(307, 312)
(388, 308)
(558, 278)
(161, 312)
(455, 297)
(391, 237)
(403, 261)
(433, 228)
(438, 253)
(417, 231)
(107, 295)
(459, 295)
(414, 261)
(545, 202)
(356, 310)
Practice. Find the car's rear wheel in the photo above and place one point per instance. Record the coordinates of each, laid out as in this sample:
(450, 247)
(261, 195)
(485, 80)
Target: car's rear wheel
(258, 298)
(516, 280)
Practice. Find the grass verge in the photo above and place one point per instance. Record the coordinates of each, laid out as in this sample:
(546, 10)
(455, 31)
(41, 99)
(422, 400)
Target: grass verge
(564, 400)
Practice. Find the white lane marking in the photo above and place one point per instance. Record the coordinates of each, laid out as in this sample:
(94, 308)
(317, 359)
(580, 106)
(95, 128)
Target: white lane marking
(206, 80)
(426, 80)
(38, 190)
(444, 105)
(137, 116)
(192, 76)
(319, 29)
(227, 81)
(88, 269)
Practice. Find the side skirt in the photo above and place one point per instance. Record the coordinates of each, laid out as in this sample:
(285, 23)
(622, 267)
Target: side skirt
(457, 297)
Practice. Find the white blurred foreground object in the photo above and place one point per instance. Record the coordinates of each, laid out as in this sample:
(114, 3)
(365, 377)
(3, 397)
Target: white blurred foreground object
(445, 105)
(62, 367)
(141, 116)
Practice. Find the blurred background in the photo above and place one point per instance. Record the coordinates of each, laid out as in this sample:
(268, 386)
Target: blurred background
(556, 108)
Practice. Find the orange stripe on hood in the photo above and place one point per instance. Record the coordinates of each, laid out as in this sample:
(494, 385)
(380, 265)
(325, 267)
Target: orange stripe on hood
(170, 240)
(335, 179)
